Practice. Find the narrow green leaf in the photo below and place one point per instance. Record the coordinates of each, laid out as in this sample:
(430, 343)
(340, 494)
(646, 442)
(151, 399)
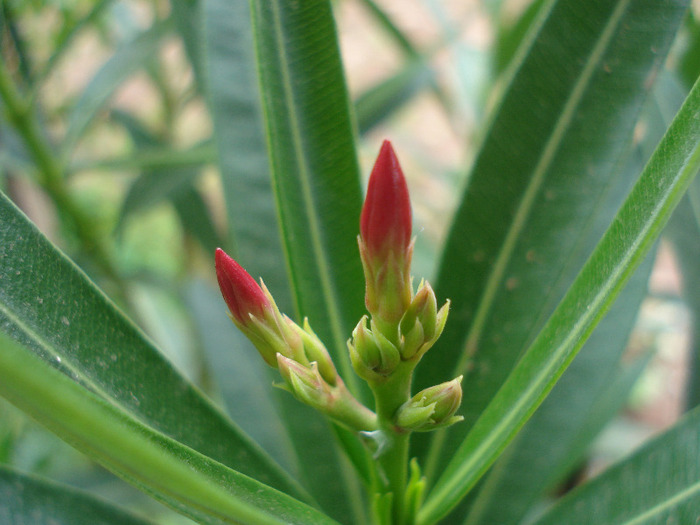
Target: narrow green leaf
(253, 222)
(543, 448)
(69, 32)
(315, 176)
(154, 185)
(540, 182)
(196, 218)
(391, 29)
(197, 155)
(189, 482)
(658, 484)
(314, 166)
(27, 499)
(48, 305)
(121, 65)
(632, 233)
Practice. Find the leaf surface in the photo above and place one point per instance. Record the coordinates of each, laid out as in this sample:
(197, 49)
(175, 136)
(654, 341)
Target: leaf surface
(28, 499)
(633, 231)
(538, 187)
(658, 484)
(50, 307)
(189, 482)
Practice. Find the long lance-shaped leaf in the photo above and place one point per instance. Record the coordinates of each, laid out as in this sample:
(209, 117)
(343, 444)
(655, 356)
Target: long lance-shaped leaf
(314, 166)
(48, 305)
(538, 187)
(31, 500)
(253, 220)
(658, 484)
(189, 482)
(670, 170)
(314, 173)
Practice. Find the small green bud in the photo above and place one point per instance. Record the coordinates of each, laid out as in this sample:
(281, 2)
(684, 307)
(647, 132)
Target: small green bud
(432, 408)
(316, 352)
(305, 383)
(373, 356)
(422, 323)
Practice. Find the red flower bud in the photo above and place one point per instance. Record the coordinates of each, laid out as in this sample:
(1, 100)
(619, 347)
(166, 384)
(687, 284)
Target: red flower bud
(385, 243)
(241, 293)
(385, 223)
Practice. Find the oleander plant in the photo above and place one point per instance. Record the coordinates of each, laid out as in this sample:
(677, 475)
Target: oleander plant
(352, 366)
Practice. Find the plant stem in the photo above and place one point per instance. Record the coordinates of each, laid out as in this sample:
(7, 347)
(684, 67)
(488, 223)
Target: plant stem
(51, 172)
(393, 460)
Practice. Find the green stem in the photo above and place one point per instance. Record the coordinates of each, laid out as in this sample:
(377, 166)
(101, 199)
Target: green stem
(393, 459)
(51, 173)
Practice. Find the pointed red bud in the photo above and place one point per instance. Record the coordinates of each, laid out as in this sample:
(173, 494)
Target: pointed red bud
(241, 293)
(385, 222)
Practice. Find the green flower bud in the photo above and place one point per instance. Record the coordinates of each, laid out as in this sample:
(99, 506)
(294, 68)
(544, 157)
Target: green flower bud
(316, 352)
(432, 408)
(307, 384)
(373, 356)
(422, 323)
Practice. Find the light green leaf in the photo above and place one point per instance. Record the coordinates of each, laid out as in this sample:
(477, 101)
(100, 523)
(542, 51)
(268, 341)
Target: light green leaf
(637, 225)
(658, 484)
(539, 188)
(31, 500)
(543, 450)
(189, 482)
(49, 306)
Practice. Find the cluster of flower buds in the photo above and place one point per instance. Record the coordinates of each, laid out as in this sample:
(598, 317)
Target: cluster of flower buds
(402, 326)
(300, 356)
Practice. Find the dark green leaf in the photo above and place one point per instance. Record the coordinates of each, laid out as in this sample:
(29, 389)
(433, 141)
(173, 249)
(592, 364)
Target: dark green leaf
(314, 172)
(631, 235)
(253, 225)
(659, 484)
(538, 187)
(314, 166)
(48, 305)
(30, 500)
(543, 450)
(189, 482)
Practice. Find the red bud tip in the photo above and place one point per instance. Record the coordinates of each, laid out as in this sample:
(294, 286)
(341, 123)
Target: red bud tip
(385, 222)
(240, 291)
